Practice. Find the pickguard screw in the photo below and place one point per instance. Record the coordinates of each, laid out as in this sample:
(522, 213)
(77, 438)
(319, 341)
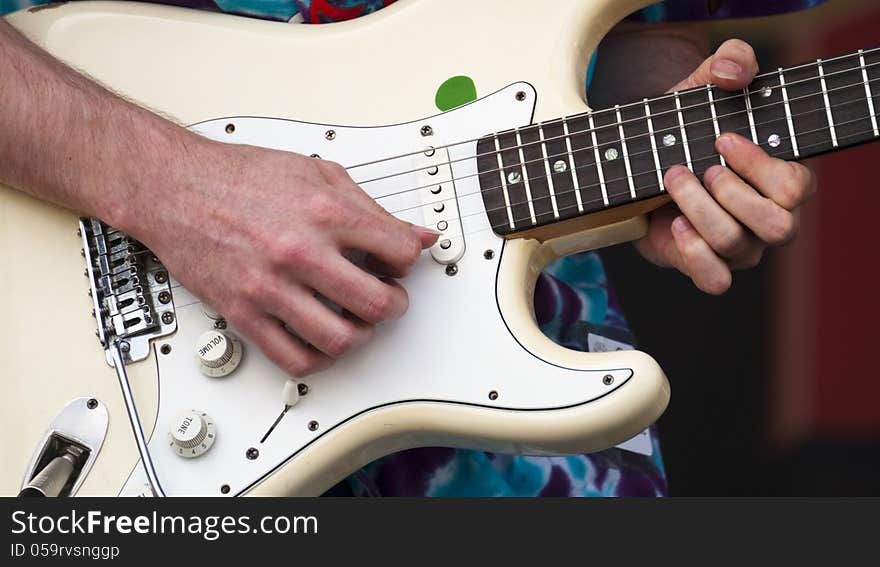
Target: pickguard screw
(79, 232)
(303, 389)
(313, 426)
(493, 395)
(92, 403)
(608, 379)
(427, 130)
(224, 489)
(220, 324)
(520, 96)
(230, 128)
(124, 346)
(252, 454)
(164, 297)
(166, 349)
(489, 254)
(451, 269)
(161, 277)
(168, 317)
(330, 134)
(82, 252)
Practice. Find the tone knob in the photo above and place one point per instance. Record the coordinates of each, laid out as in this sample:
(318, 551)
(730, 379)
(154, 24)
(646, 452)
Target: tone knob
(218, 353)
(192, 434)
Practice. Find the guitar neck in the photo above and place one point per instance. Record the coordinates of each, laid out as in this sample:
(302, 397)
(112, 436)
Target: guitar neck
(562, 169)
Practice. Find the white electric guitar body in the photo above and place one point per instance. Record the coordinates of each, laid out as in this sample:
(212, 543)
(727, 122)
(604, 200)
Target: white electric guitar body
(466, 367)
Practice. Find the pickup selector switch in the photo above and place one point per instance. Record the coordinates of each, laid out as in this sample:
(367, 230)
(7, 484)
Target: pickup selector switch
(192, 433)
(218, 353)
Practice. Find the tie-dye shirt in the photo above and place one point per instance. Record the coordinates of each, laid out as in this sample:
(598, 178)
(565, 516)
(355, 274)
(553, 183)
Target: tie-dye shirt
(573, 304)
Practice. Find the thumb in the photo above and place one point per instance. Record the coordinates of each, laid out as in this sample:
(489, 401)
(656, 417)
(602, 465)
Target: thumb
(732, 67)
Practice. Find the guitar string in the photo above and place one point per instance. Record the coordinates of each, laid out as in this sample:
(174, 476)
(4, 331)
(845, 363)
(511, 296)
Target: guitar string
(627, 193)
(482, 190)
(489, 228)
(598, 113)
(676, 128)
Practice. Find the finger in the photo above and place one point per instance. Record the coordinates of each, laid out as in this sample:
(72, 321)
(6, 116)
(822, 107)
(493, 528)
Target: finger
(709, 272)
(396, 244)
(789, 184)
(732, 67)
(289, 353)
(376, 265)
(716, 226)
(764, 217)
(363, 294)
(317, 324)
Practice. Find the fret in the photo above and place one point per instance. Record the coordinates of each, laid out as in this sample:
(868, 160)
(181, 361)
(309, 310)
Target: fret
(654, 145)
(768, 112)
(598, 160)
(548, 172)
(871, 110)
(748, 102)
(493, 189)
(827, 103)
(610, 150)
(733, 116)
(561, 165)
(666, 132)
(701, 128)
(792, 137)
(642, 155)
(808, 110)
(538, 186)
(684, 138)
(512, 174)
(525, 178)
(581, 139)
(714, 118)
(571, 166)
(872, 72)
(629, 175)
(850, 109)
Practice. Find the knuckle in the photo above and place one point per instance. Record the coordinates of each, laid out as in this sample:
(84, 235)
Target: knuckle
(782, 228)
(730, 242)
(323, 208)
(410, 248)
(380, 307)
(293, 252)
(341, 341)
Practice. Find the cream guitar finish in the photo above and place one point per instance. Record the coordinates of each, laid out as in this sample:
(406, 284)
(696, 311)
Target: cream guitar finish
(430, 379)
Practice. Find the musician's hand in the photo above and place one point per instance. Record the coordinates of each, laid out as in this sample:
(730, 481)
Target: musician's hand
(726, 221)
(258, 233)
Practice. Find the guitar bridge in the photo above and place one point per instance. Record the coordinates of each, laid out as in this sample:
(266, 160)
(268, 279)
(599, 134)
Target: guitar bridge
(130, 290)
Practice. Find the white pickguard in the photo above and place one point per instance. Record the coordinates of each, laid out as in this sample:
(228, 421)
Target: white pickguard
(452, 347)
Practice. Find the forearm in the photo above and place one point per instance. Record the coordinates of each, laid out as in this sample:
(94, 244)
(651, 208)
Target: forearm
(68, 140)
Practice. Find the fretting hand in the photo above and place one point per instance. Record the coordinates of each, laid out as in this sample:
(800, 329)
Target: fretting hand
(727, 220)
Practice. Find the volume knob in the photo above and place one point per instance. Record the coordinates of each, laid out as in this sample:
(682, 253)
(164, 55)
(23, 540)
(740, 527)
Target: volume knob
(192, 434)
(218, 353)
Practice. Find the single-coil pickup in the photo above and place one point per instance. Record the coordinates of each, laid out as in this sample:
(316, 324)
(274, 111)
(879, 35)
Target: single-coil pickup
(440, 205)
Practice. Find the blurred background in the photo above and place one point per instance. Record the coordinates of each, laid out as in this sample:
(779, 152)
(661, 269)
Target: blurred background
(775, 390)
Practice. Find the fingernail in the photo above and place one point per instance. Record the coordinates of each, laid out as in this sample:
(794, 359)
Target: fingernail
(426, 230)
(711, 174)
(724, 144)
(681, 224)
(726, 69)
(673, 174)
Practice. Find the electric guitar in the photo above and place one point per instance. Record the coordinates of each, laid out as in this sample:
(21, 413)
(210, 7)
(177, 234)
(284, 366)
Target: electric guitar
(460, 128)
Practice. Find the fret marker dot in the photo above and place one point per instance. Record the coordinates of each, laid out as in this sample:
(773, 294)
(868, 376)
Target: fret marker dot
(514, 177)
(611, 154)
(774, 140)
(766, 92)
(669, 140)
(560, 166)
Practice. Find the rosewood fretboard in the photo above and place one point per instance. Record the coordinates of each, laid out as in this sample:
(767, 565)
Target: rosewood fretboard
(558, 170)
